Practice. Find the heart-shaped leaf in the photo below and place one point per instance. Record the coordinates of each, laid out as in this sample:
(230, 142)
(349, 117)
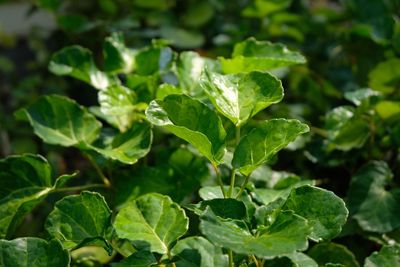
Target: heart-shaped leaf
(192, 121)
(241, 96)
(285, 235)
(263, 142)
(80, 220)
(33, 252)
(152, 222)
(61, 121)
(253, 55)
(77, 62)
(25, 181)
(327, 219)
(198, 251)
(374, 207)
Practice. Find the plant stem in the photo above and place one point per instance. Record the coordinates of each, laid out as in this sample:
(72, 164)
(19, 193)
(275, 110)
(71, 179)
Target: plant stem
(237, 135)
(232, 185)
(255, 261)
(243, 186)
(230, 254)
(99, 171)
(219, 180)
(77, 188)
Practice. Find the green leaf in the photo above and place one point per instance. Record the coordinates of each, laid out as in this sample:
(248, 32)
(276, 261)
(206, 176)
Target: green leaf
(198, 251)
(285, 235)
(374, 207)
(388, 110)
(25, 181)
(61, 121)
(128, 147)
(301, 260)
(117, 57)
(166, 89)
(137, 259)
(119, 102)
(263, 142)
(261, 8)
(385, 77)
(192, 121)
(388, 256)
(33, 252)
(153, 59)
(152, 222)
(325, 253)
(189, 68)
(253, 55)
(80, 220)
(226, 208)
(327, 219)
(182, 38)
(345, 130)
(360, 95)
(241, 96)
(77, 62)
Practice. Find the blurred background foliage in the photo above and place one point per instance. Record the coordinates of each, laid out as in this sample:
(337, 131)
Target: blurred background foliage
(348, 91)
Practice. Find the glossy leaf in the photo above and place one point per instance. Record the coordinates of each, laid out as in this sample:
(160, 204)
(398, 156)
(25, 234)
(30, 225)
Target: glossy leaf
(325, 253)
(80, 220)
(241, 96)
(119, 102)
(374, 207)
(263, 142)
(192, 121)
(77, 62)
(59, 120)
(326, 219)
(360, 95)
(198, 251)
(285, 235)
(128, 147)
(388, 256)
(24, 182)
(153, 59)
(152, 222)
(117, 57)
(253, 55)
(33, 252)
(225, 208)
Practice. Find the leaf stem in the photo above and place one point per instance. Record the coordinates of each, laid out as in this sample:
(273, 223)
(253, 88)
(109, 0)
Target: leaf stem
(219, 180)
(230, 255)
(77, 188)
(243, 186)
(232, 185)
(255, 261)
(105, 180)
(237, 135)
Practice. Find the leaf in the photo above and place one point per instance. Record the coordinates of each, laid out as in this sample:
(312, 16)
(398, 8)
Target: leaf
(285, 235)
(77, 62)
(302, 260)
(192, 121)
(385, 77)
(360, 95)
(80, 220)
(198, 251)
(388, 256)
(226, 208)
(263, 142)
(325, 253)
(182, 38)
(153, 59)
(374, 207)
(59, 120)
(128, 147)
(33, 252)
(327, 219)
(345, 130)
(189, 68)
(152, 222)
(117, 57)
(388, 110)
(251, 55)
(262, 8)
(241, 96)
(118, 101)
(138, 259)
(25, 181)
